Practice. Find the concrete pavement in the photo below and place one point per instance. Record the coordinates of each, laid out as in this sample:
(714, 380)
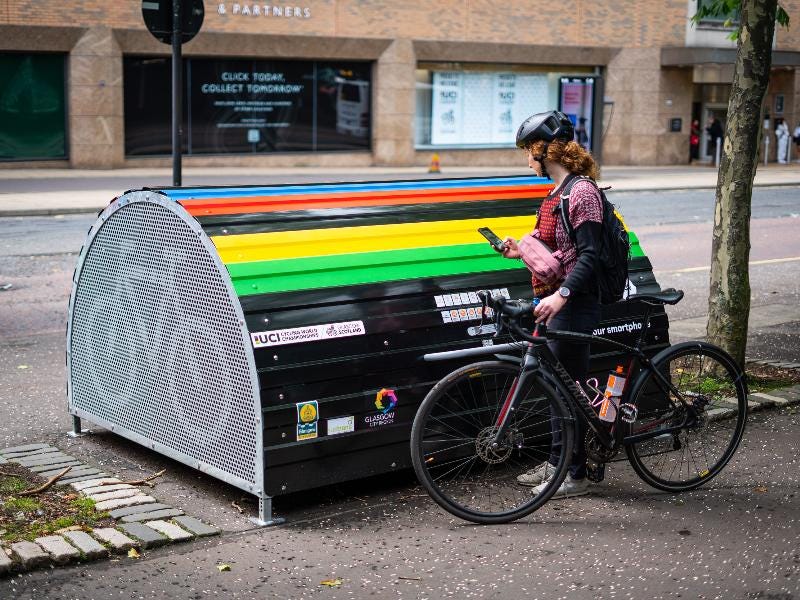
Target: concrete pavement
(36, 191)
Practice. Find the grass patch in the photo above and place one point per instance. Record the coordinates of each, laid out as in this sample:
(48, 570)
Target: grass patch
(29, 517)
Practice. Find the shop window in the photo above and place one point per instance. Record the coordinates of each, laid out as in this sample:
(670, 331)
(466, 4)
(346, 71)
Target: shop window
(480, 106)
(32, 108)
(246, 106)
(731, 18)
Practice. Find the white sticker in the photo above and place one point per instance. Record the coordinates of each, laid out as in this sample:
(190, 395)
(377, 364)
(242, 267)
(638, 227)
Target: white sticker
(312, 333)
(446, 316)
(464, 298)
(448, 300)
(439, 301)
(341, 425)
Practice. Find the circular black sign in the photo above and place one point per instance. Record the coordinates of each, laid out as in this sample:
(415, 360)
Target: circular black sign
(157, 16)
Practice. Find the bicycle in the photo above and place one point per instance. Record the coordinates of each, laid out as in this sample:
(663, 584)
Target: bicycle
(680, 419)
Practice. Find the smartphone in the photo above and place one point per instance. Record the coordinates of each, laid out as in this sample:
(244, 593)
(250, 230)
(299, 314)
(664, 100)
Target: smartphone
(498, 244)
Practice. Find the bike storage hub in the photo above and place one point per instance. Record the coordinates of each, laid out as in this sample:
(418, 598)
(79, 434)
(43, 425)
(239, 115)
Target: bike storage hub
(272, 337)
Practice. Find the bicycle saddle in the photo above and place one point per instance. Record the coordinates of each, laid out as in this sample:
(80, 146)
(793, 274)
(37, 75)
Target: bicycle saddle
(668, 296)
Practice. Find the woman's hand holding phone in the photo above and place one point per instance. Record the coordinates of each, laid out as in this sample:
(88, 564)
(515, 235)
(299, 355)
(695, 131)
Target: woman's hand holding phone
(511, 248)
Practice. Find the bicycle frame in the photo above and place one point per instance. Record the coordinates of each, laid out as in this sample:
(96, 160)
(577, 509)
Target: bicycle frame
(537, 351)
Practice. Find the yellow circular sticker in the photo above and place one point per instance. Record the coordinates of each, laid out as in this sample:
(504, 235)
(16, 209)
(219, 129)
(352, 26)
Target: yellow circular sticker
(308, 413)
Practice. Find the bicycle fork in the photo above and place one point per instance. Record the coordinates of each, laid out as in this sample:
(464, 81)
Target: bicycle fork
(529, 365)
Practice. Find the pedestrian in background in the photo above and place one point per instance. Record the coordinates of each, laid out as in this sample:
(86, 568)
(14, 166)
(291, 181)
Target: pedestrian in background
(694, 141)
(782, 137)
(796, 136)
(714, 131)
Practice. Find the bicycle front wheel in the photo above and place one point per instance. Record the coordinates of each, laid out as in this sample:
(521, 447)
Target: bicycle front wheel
(682, 445)
(453, 432)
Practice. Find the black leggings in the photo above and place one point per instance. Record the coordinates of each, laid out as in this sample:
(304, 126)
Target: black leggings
(582, 315)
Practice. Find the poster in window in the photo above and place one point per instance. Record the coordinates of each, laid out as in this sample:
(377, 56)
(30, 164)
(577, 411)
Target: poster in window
(532, 97)
(446, 112)
(478, 89)
(577, 100)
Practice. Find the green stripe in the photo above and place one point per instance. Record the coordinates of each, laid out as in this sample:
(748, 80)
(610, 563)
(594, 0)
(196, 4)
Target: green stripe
(287, 275)
(636, 248)
(294, 274)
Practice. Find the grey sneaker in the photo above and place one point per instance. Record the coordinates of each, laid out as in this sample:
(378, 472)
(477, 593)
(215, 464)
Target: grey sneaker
(537, 475)
(570, 487)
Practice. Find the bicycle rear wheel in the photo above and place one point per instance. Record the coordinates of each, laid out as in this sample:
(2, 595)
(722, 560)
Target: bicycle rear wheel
(451, 442)
(697, 441)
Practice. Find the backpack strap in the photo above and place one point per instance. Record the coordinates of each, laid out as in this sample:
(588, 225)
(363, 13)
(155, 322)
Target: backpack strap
(564, 205)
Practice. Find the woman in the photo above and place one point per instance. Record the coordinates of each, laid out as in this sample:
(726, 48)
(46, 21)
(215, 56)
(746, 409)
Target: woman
(572, 304)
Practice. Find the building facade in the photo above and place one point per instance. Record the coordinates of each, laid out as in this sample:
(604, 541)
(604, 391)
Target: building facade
(369, 82)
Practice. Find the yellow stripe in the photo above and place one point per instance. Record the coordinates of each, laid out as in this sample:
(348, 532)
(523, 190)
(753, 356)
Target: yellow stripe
(370, 238)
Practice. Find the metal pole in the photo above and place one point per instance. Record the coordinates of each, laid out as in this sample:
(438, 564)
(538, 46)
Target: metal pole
(719, 146)
(766, 149)
(177, 93)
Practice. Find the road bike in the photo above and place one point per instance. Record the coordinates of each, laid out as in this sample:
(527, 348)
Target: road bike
(680, 418)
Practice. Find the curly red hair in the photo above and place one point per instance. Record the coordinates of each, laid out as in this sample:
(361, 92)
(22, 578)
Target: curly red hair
(570, 155)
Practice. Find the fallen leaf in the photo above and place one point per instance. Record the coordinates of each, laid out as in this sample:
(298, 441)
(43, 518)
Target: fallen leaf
(685, 532)
(331, 582)
(133, 553)
(22, 366)
(237, 507)
(223, 567)
(761, 489)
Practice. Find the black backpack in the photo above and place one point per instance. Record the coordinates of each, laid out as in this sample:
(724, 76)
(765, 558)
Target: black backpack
(615, 247)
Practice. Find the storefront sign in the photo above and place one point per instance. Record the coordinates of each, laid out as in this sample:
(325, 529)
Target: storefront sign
(245, 9)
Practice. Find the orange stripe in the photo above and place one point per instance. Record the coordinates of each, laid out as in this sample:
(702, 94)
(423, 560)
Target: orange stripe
(258, 204)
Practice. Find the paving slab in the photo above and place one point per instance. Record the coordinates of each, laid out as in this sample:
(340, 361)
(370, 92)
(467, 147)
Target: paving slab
(70, 480)
(733, 402)
(30, 555)
(82, 485)
(119, 503)
(3, 461)
(90, 547)
(148, 536)
(5, 561)
(137, 508)
(25, 448)
(59, 549)
(170, 530)
(113, 494)
(164, 513)
(69, 463)
(32, 453)
(107, 488)
(47, 459)
(715, 414)
(762, 396)
(196, 526)
(118, 541)
(73, 472)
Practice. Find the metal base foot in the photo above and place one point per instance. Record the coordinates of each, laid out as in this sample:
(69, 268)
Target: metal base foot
(265, 517)
(76, 428)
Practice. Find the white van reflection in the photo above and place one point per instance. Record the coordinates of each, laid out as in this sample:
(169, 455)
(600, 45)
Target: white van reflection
(352, 107)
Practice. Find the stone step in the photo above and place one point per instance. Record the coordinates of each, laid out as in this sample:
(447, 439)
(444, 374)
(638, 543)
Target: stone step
(30, 555)
(196, 526)
(165, 513)
(148, 536)
(86, 544)
(170, 530)
(118, 541)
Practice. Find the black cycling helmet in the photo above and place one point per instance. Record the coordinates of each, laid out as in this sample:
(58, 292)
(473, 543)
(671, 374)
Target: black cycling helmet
(546, 126)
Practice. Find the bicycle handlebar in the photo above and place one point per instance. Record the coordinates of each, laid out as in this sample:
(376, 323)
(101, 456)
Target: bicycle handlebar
(513, 310)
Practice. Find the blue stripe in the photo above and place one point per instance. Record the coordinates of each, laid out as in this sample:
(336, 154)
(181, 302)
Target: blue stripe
(243, 192)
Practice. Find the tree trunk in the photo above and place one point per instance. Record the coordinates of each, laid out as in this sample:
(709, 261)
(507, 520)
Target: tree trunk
(729, 298)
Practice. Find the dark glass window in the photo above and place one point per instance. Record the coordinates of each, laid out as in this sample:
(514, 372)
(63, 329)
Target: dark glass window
(249, 106)
(32, 112)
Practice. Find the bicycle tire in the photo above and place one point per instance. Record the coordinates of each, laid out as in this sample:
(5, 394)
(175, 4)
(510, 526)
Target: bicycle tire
(695, 454)
(455, 464)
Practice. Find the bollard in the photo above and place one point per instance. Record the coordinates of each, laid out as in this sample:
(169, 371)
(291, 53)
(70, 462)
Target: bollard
(766, 150)
(717, 154)
(435, 167)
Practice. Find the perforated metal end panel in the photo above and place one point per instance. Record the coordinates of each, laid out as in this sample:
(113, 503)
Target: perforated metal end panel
(157, 349)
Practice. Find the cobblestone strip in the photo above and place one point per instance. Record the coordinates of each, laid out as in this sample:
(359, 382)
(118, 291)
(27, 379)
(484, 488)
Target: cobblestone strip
(144, 521)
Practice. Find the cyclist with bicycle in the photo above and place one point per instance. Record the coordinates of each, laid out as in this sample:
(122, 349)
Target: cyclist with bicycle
(571, 304)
